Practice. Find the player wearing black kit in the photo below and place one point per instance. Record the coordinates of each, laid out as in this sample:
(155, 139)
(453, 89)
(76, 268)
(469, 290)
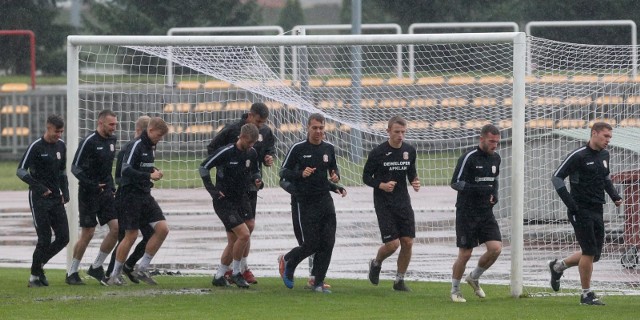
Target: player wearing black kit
(307, 165)
(265, 147)
(42, 167)
(588, 170)
(476, 180)
(138, 171)
(387, 169)
(236, 169)
(92, 165)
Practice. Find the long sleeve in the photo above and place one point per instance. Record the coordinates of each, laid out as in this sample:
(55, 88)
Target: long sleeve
(611, 190)
(131, 157)
(289, 170)
(80, 161)
(460, 179)
(220, 140)
(412, 172)
(368, 172)
(23, 171)
(213, 160)
(563, 171)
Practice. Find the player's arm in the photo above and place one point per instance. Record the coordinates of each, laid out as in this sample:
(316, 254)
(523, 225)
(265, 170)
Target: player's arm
(368, 172)
(23, 171)
(219, 140)
(334, 172)
(462, 177)
(611, 190)
(563, 171)
(290, 170)
(118, 171)
(269, 149)
(287, 185)
(64, 181)
(256, 175)
(130, 159)
(496, 183)
(213, 160)
(81, 162)
(412, 172)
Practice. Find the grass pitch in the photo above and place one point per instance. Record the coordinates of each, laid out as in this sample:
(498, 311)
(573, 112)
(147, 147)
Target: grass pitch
(193, 297)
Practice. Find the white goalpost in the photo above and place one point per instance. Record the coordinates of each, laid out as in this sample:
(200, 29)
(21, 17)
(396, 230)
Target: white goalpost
(462, 81)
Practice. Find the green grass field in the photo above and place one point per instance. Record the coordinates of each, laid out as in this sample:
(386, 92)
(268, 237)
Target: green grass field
(193, 297)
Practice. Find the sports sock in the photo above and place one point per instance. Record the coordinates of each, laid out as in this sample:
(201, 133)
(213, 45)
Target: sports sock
(585, 292)
(455, 285)
(144, 262)
(75, 264)
(477, 272)
(560, 266)
(33, 278)
(222, 269)
(235, 265)
(117, 269)
(399, 276)
(243, 264)
(100, 259)
(376, 263)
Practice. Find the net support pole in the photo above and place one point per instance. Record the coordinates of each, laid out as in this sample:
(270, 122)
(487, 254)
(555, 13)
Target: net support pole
(72, 129)
(517, 164)
(356, 82)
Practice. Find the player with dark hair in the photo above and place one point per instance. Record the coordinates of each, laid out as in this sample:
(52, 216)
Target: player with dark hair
(146, 230)
(309, 165)
(588, 170)
(476, 180)
(387, 169)
(42, 167)
(92, 165)
(236, 167)
(265, 147)
(138, 172)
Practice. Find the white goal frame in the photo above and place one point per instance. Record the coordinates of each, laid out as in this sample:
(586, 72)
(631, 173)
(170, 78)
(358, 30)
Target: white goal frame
(517, 39)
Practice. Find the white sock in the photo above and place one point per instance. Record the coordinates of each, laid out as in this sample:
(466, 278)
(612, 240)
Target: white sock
(455, 285)
(222, 269)
(311, 257)
(33, 278)
(243, 264)
(399, 276)
(477, 272)
(117, 269)
(585, 292)
(100, 259)
(144, 262)
(75, 264)
(235, 265)
(560, 266)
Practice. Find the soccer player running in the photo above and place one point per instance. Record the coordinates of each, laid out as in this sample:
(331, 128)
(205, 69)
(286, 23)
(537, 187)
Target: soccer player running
(92, 166)
(476, 180)
(138, 172)
(265, 147)
(309, 165)
(236, 165)
(387, 169)
(43, 168)
(146, 229)
(588, 170)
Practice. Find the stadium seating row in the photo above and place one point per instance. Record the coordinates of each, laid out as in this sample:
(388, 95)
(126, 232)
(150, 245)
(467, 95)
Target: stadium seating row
(14, 87)
(435, 80)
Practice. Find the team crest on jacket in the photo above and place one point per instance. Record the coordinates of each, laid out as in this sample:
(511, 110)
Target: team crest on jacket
(405, 155)
(58, 155)
(325, 158)
(247, 163)
(112, 147)
(493, 169)
(259, 137)
(604, 163)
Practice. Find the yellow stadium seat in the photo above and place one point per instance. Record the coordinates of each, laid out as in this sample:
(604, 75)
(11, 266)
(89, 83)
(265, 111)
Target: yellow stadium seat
(379, 125)
(633, 100)
(476, 123)
(446, 124)
(484, 102)
(453, 102)
(188, 85)
(329, 104)
(492, 80)
(199, 128)
(400, 81)
(430, 80)
(18, 131)
(314, 82)
(460, 80)
(274, 105)
(21, 109)
(549, 79)
(291, 127)
(606, 100)
(610, 121)
(540, 124)
(216, 84)
(330, 126)
(338, 82)
(175, 129)
(547, 101)
(345, 127)
(208, 106)
(367, 103)
(238, 105)
(393, 103)
(577, 101)
(571, 124)
(584, 78)
(176, 107)
(615, 78)
(505, 123)
(418, 125)
(630, 122)
(371, 82)
(422, 103)
(14, 87)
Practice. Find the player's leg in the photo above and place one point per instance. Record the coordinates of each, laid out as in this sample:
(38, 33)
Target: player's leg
(488, 233)
(465, 241)
(390, 239)
(591, 246)
(327, 237)
(250, 221)
(106, 215)
(88, 207)
(407, 231)
(242, 234)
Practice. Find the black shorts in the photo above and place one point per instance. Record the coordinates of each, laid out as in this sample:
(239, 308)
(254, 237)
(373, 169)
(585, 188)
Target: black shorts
(395, 222)
(588, 225)
(138, 209)
(94, 208)
(476, 228)
(231, 212)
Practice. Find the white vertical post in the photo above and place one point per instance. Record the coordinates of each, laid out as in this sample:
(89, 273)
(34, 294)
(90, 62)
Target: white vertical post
(517, 164)
(72, 129)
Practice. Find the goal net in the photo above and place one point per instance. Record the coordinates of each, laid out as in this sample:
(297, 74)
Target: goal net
(461, 83)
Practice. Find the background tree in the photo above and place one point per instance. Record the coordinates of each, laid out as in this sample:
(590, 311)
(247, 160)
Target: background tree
(291, 15)
(37, 16)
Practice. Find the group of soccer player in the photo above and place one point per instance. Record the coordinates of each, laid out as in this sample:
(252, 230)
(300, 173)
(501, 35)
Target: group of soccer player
(309, 172)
